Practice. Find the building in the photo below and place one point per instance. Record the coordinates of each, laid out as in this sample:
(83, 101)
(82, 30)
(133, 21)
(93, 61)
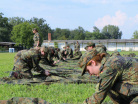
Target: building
(111, 44)
(7, 44)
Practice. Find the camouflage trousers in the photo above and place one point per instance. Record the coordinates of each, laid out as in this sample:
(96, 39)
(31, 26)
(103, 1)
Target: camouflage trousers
(22, 73)
(22, 69)
(24, 100)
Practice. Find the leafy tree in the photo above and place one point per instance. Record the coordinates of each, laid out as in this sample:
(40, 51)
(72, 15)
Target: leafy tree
(112, 32)
(96, 35)
(16, 20)
(88, 35)
(135, 35)
(96, 30)
(64, 34)
(57, 34)
(5, 29)
(43, 26)
(22, 34)
(79, 34)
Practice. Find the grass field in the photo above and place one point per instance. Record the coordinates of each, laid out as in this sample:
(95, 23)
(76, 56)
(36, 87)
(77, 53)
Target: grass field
(55, 93)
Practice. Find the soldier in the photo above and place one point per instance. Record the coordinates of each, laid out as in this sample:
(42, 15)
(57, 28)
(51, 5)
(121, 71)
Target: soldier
(69, 51)
(77, 56)
(99, 47)
(56, 55)
(51, 54)
(90, 46)
(36, 37)
(27, 60)
(118, 77)
(63, 54)
(76, 48)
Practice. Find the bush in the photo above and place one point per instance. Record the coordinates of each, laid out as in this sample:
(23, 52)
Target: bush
(55, 44)
(2, 48)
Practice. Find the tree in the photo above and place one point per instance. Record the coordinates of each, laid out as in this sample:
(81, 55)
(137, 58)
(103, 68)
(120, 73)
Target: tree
(96, 30)
(22, 34)
(43, 26)
(135, 35)
(79, 34)
(56, 34)
(16, 20)
(112, 32)
(5, 29)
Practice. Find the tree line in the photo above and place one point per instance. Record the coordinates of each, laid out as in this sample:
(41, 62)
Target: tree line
(19, 30)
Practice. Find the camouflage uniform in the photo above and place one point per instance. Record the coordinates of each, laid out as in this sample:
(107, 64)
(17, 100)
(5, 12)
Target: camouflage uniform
(44, 59)
(62, 54)
(25, 61)
(90, 44)
(118, 79)
(99, 48)
(130, 55)
(77, 56)
(36, 39)
(56, 55)
(69, 52)
(51, 54)
(24, 100)
(76, 48)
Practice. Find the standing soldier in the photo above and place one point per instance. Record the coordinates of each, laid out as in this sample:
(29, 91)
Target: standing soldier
(27, 60)
(36, 37)
(118, 77)
(76, 48)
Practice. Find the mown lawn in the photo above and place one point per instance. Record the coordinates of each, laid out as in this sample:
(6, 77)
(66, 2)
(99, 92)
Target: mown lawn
(55, 93)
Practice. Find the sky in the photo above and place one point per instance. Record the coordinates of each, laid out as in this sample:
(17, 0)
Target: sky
(70, 14)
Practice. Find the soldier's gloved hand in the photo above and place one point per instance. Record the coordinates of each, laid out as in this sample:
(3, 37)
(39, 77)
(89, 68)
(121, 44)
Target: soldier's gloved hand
(46, 73)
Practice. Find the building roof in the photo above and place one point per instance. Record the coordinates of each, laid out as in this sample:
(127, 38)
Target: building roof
(96, 41)
(7, 43)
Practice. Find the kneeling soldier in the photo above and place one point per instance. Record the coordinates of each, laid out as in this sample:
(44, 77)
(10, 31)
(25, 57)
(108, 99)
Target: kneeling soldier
(27, 60)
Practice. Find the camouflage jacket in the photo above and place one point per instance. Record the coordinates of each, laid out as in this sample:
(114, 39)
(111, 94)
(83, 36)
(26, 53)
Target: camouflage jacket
(51, 54)
(28, 58)
(63, 53)
(77, 47)
(56, 55)
(36, 38)
(119, 74)
(69, 51)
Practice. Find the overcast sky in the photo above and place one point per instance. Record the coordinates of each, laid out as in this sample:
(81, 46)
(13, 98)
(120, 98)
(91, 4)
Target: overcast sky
(69, 14)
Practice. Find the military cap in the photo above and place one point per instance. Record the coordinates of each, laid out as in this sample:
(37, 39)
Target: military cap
(85, 59)
(90, 44)
(35, 29)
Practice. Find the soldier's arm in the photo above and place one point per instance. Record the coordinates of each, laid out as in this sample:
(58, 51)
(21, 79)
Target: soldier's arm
(38, 40)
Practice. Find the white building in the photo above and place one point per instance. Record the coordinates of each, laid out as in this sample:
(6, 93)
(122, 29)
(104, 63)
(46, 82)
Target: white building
(111, 44)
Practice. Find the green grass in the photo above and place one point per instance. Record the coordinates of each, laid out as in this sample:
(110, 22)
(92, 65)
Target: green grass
(54, 93)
